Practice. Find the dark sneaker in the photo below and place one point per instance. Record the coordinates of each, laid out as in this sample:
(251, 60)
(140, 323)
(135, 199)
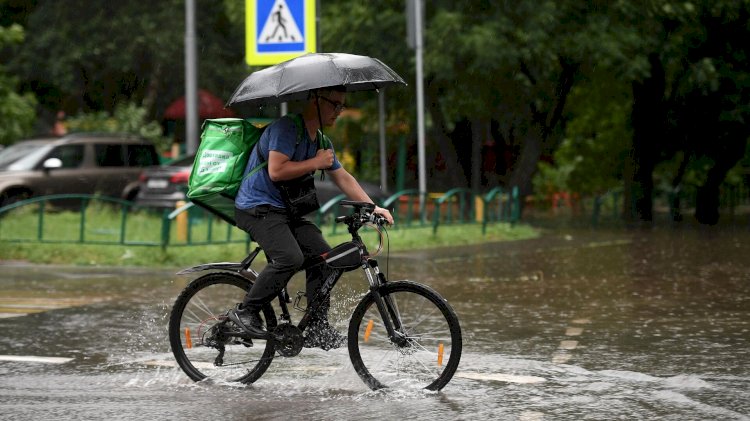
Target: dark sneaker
(248, 320)
(323, 335)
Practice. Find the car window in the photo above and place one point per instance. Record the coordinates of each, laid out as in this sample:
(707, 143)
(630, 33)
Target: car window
(109, 155)
(142, 156)
(70, 155)
(15, 152)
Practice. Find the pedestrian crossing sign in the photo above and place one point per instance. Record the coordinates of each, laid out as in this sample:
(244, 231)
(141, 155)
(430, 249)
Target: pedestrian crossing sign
(278, 30)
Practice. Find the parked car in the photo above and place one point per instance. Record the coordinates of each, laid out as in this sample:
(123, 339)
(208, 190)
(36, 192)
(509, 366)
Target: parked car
(165, 185)
(77, 163)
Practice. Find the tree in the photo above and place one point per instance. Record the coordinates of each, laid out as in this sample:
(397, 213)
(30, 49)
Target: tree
(489, 68)
(590, 159)
(16, 110)
(659, 80)
(98, 55)
(693, 100)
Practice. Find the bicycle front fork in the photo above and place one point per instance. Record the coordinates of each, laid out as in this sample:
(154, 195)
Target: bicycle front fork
(387, 306)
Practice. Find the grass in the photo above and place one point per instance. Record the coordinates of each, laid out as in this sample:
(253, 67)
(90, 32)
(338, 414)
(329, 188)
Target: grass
(62, 231)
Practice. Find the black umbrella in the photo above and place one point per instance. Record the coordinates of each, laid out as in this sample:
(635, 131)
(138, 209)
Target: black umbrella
(293, 79)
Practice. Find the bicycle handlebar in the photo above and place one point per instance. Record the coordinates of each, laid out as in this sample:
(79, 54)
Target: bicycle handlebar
(363, 213)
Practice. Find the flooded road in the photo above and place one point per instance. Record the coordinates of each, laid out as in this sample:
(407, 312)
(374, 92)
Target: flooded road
(576, 325)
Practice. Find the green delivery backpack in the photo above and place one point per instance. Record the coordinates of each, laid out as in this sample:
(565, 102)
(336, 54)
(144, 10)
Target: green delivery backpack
(226, 145)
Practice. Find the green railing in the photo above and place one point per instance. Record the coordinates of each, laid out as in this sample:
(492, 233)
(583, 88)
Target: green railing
(405, 208)
(453, 207)
(501, 206)
(110, 221)
(94, 219)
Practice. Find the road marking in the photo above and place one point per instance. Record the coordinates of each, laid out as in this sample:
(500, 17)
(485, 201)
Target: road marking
(560, 358)
(205, 365)
(15, 305)
(531, 416)
(569, 345)
(162, 363)
(573, 331)
(500, 377)
(34, 359)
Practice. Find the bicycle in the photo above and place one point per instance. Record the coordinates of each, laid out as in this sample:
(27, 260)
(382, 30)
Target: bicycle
(401, 334)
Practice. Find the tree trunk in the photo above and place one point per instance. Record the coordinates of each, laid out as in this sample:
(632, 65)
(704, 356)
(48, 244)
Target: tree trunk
(453, 173)
(648, 121)
(479, 129)
(544, 122)
(730, 148)
(531, 151)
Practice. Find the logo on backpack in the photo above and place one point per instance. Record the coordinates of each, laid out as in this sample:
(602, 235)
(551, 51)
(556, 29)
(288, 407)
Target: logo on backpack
(213, 161)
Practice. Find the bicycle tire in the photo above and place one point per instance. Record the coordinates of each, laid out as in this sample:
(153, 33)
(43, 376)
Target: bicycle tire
(433, 336)
(198, 312)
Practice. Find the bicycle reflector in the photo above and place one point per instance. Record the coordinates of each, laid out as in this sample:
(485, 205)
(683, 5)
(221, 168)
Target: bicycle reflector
(440, 354)
(188, 340)
(368, 330)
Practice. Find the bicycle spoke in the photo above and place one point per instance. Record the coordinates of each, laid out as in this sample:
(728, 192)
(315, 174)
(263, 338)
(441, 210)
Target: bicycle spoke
(426, 349)
(214, 351)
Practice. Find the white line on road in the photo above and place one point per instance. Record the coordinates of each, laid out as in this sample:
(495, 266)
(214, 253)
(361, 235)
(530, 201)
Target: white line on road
(34, 359)
(573, 331)
(568, 345)
(500, 377)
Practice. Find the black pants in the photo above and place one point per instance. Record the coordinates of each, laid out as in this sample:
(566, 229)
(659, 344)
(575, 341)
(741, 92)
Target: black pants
(286, 242)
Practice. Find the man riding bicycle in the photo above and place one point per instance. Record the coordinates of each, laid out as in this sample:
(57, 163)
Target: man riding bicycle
(266, 207)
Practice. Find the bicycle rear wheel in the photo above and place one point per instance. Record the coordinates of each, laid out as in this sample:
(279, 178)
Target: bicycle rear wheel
(200, 333)
(427, 349)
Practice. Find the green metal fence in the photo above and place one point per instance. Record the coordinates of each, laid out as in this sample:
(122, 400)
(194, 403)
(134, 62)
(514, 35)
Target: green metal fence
(93, 219)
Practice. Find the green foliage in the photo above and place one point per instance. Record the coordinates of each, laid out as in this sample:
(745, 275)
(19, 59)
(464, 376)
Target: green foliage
(512, 63)
(591, 156)
(126, 118)
(97, 55)
(17, 110)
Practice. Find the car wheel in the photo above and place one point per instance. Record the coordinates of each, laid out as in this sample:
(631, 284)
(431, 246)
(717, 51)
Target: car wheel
(12, 196)
(130, 196)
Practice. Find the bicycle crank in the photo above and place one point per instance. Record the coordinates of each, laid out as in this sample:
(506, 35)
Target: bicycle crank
(287, 339)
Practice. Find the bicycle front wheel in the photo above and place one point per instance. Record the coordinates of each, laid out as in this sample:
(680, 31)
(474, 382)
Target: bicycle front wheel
(204, 341)
(423, 352)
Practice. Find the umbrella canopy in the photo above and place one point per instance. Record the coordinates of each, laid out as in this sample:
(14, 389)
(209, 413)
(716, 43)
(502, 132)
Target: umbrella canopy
(293, 79)
(209, 106)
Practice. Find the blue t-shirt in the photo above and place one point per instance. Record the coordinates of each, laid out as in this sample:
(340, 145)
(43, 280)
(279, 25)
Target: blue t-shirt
(280, 136)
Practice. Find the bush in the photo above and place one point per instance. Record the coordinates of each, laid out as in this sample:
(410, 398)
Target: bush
(127, 118)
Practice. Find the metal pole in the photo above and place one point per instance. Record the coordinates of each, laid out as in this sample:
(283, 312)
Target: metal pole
(383, 157)
(420, 108)
(191, 80)
(317, 27)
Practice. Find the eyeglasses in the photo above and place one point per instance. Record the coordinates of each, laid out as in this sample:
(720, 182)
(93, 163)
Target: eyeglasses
(337, 106)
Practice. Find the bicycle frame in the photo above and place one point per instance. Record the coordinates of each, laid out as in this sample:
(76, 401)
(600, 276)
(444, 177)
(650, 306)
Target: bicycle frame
(375, 278)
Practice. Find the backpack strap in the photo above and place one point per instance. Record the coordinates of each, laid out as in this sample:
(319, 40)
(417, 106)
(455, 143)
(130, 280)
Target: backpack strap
(297, 118)
(323, 142)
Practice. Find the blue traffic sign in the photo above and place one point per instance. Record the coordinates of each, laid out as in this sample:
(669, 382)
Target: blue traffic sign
(279, 30)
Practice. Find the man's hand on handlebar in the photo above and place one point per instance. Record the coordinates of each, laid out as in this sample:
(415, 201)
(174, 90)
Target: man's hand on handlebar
(385, 213)
(372, 213)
